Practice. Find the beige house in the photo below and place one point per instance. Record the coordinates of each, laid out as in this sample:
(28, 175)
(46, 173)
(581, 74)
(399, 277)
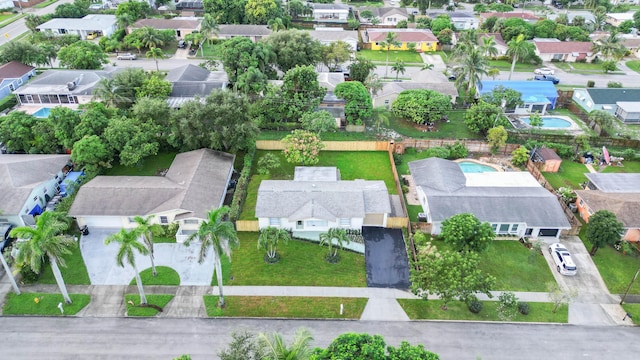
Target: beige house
(615, 19)
(565, 51)
(253, 32)
(182, 25)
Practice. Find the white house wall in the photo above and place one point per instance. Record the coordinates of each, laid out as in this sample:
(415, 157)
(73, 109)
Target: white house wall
(356, 223)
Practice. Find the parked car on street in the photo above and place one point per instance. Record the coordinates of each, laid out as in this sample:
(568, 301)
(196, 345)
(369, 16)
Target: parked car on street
(127, 56)
(544, 71)
(553, 79)
(562, 257)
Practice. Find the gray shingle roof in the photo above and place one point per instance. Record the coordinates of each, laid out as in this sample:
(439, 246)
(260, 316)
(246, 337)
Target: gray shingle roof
(610, 96)
(196, 182)
(191, 80)
(55, 82)
(626, 206)
(243, 30)
(188, 72)
(329, 6)
(438, 174)
(329, 35)
(616, 183)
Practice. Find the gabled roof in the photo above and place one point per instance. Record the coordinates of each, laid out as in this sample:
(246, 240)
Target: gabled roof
(88, 23)
(611, 95)
(615, 183)
(243, 30)
(14, 70)
(188, 72)
(383, 12)
(20, 174)
(509, 15)
(191, 80)
(563, 47)
(57, 82)
(452, 15)
(547, 154)
(438, 174)
(172, 24)
(403, 35)
(331, 35)
(447, 88)
(197, 4)
(329, 80)
(195, 183)
(626, 206)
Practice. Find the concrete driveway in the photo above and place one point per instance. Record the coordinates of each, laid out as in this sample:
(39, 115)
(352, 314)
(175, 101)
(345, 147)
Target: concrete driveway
(103, 269)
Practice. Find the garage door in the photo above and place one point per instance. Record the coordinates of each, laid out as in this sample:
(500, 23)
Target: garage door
(548, 232)
(101, 221)
(374, 219)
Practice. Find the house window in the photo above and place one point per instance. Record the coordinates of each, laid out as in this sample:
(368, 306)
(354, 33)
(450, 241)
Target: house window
(19, 81)
(377, 44)
(557, 56)
(494, 227)
(317, 223)
(274, 221)
(35, 198)
(514, 228)
(345, 222)
(386, 102)
(190, 221)
(504, 228)
(164, 220)
(62, 31)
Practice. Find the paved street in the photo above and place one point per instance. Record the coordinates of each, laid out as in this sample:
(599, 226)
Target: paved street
(91, 338)
(18, 27)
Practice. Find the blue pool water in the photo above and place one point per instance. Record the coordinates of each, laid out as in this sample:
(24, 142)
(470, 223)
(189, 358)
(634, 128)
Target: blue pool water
(472, 167)
(550, 122)
(42, 112)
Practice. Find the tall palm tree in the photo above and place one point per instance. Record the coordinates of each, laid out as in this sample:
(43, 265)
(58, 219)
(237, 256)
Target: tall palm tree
(390, 41)
(218, 233)
(398, 67)
(155, 53)
(146, 229)
(208, 26)
(150, 37)
(373, 83)
(334, 234)
(469, 71)
(519, 49)
(488, 46)
(277, 348)
(108, 91)
(269, 239)
(276, 25)
(123, 21)
(7, 270)
(45, 239)
(610, 47)
(129, 244)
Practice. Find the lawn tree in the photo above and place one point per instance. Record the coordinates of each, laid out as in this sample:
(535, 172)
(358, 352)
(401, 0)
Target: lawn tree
(91, 153)
(302, 147)
(243, 346)
(21, 51)
(603, 228)
(300, 92)
(128, 246)
(146, 229)
(319, 122)
(507, 306)
(519, 49)
(335, 54)
(220, 235)
(335, 239)
(482, 116)
(298, 349)
(398, 68)
(421, 106)
(155, 53)
(46, 238)
(64, 124)
(500, 94)
(94, 119)
(82, 55)
(294, 48)
(559, 296)
(450, 275)
(360, 69)
(466, 233)
(226, 11)
(269, 239)
(260, 11)
(390, 41)
(136, 9)
(16, 131)
(352, 346)
(358, 105)
(132, 140)
(520, 156)
(154, 87)
(440, 23)
(469, 69)
(267, 162)
(497, 138)
(238, 54)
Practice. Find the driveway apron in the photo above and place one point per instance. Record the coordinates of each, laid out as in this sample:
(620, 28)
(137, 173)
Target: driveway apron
(386, 258)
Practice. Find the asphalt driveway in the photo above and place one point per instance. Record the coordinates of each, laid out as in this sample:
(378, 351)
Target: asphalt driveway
(103, 269)
(386, 258)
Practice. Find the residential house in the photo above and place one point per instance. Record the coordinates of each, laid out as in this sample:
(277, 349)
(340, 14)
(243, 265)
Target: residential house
(189, 82)
(513, 203)
(628, 112)
(606, 99)
(565, 51)
(461, 21)
(253, 32)
(615, 19)
(317, 200)
(12, 75)
(328, 35)
(625, 2)
(632, 44)
(195, 183)
(390, 91)
(330, 102)
(62, 87)
(423, 39)
(102, 25)
(334, 13)
(537, 96)
(618, 193)
(190, 7)
(501, 45)
(28, 182)
(183, 26)
(526, 16)
(390, 16)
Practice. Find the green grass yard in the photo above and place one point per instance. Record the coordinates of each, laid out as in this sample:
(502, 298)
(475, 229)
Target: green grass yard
(166, 276)
(211, 50)
(629, 167)
(617, 269)
(46, 304)
(301, 264)
(634, 65)
(505, 65)
(134, 310)
(454, 129)
(75, 272)
(413, 211)
(634, 310)
(394, 55)
(286, 307)
(149, 167)
(44, 4)
(431, 310)
(570, 174)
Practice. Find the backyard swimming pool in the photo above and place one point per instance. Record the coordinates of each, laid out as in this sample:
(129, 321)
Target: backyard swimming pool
(42, 112)
(550, 122)
(474, 167)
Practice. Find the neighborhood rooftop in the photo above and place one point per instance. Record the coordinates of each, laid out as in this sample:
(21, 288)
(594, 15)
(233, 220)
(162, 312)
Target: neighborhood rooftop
(14, 69)
(403, 35)
(611, 96)
(626, 206)
(618, 183)
(87, 23)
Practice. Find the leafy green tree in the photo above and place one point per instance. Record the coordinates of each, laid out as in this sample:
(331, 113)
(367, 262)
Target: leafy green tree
(294, 48)
(129, 245)
(334, 54)
(359, 106)
(126, 83)
(440, 23)
(220, 235)
(16, 130)
(146, 229)
(519, 49)
(318, 122)
(155, 53)
(406, 352)
(609, 65)
(21, 51)
(45, 239)
(360, 69)
(482, 116)
(512, 27)
(251, 82)
(535, 120)
(389, 42)
(544, 28)
(511, 98)
(32, 21)
(82, 55)
(153, 110)
(269, 239)
(94, 119)
(135, 9)
(70, 11)
(226, 11)
(466, 233)
(445, 36)
(507, 306)
(302, 147)
(276, 347)
(91, 153)
(300, 92)
(260, 11)
(64, 122)
(244, 346)
(132, 139)
(603, 228)
(154, 87)
(520, 156)
(421, 106)
(335, 239)
(497, 138)
(267, 163)
(352, 346)
(208, 26)
(240, 53)
(450, 275)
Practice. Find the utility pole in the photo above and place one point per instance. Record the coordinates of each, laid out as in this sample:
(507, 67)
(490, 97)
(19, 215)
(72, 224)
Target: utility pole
(629, 287)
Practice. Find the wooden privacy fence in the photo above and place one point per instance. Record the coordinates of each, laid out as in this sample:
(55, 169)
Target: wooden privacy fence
(471, 145)
(247, 225)
(397, 222)
(331, 145)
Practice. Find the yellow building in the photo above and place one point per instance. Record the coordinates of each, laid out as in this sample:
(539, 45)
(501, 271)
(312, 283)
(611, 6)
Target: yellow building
(423, 39)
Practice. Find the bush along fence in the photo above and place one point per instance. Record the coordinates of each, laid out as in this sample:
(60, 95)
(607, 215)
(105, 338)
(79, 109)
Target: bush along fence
(241, 187)
(567, 139)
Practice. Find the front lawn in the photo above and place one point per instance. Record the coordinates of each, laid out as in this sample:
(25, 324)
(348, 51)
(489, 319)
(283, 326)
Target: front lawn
(75, 272)
(301, 264)
(634, 65)
(570, 174)
(136, 310)
(431, 310)
(394, 55)
(43, 304)
(617, 269)
(413, 211)
(634, 310)
(629, 167)
(286, 307)
(504, 65)
(166, 276)
(211, 50)
(454, 129)
(149, 167)
(325, 136)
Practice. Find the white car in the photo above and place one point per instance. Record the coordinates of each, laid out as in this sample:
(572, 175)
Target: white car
(562, 258)
(544, 71)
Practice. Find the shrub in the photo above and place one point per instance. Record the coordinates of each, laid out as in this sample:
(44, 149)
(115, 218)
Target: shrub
(523, 308)
(27, 275)
(241, 187)
(405, 189)
(402, 24)
(614, 84)
(520, 156)
(457, 151)
(438, 151)
(267, 163)
(629, 154)
(591, 83)
(475, 306)
(397, 158)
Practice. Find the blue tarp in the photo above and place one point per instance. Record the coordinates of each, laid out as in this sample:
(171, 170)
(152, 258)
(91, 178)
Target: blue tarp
(37, 210)
(530, 90)
(72, 177)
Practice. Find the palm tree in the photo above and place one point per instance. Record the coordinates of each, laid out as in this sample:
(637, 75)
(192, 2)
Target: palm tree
(45, 239)
(337, 234)
(488, 46)
(277, 348)
(519, 49)
(155, 53)
(469, 71)
(390, 41)
(251, 82)
(7, 270)
(108, 91)
(128, 241)
(208, 26)
(196, 39)
(398, 67)
(610, 47)
(427, 67)
(276, 25)
(124, 21)
(218, 233)
(146, 229)
(150, 37)
(269, 239)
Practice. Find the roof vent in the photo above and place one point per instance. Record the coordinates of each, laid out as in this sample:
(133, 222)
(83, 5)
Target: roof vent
(71, 85)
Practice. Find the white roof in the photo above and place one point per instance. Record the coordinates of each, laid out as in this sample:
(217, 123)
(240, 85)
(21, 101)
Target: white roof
(629, 106)
(89, 22)
(621, 16)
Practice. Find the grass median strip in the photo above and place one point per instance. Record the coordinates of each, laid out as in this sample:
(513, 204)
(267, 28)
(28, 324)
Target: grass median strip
(431, 310)
(286, 307)
(136, 310)
(166, 276)
(43, 304)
